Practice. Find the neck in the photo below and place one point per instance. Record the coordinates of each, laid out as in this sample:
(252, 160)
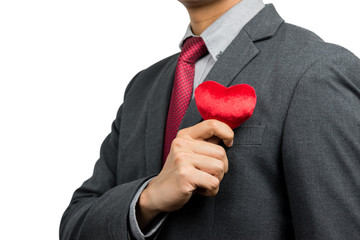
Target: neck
(202, 15)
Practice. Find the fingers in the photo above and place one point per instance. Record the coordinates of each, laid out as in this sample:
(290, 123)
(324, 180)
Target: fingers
(211, 151)
(208, 129)
(210, 165)
(205, 183)
(206, 149)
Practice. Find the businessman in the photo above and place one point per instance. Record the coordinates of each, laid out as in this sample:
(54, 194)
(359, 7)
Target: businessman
(292, 171)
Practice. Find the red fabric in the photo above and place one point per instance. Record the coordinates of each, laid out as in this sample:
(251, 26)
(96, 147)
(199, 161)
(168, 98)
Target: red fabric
(191, 51)
(233, 105)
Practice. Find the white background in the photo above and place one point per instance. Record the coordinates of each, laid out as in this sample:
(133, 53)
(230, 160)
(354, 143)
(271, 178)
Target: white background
(64, 66)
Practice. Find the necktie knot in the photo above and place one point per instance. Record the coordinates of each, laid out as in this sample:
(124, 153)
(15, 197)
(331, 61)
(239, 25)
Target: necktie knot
(193, 49)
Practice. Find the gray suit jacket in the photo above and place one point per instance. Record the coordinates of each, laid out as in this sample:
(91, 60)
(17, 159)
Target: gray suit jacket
(294, 169)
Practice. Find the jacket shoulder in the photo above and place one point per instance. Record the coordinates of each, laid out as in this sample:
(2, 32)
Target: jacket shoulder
(306, 46)
(146, 78)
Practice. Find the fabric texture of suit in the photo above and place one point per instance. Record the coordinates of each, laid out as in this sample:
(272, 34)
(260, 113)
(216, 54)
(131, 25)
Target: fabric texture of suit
(294, 169)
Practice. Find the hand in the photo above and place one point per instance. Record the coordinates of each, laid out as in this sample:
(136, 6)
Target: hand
(195, 164)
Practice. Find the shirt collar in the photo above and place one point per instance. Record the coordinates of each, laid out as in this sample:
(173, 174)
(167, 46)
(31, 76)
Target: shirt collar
(223, 31)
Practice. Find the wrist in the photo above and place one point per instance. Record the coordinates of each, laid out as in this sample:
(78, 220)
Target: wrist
(145, 211)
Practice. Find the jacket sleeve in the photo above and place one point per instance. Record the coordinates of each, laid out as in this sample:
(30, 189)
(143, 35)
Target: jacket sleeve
(321, 150)
(99, 208)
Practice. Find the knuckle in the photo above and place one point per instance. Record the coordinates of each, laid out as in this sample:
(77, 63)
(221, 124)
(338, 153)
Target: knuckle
(221, 152)
(183, 172)
(179, 156)
(214, 184)
(212, 124)
(221, 166)
(187, 188)
(177, 143)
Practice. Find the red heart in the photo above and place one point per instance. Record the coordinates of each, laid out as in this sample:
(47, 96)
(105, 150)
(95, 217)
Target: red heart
(233, 105)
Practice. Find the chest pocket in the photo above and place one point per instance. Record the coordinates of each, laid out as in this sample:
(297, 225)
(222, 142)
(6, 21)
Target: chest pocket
(249, 135)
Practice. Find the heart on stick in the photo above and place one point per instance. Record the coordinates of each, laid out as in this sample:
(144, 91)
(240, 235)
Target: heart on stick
(233, 105)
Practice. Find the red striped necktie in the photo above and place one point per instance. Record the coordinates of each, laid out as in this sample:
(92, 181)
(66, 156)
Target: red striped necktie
(193, 49)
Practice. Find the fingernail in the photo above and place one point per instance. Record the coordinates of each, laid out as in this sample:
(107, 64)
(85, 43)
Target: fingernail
(232, 143)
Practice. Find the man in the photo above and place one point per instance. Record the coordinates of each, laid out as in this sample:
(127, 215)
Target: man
(290, 172)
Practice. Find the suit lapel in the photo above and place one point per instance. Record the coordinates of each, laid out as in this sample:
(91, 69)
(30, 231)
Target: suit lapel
(156, 119)
(239, 53)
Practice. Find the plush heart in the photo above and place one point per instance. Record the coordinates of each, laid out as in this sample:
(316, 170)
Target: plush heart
(233, 105)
